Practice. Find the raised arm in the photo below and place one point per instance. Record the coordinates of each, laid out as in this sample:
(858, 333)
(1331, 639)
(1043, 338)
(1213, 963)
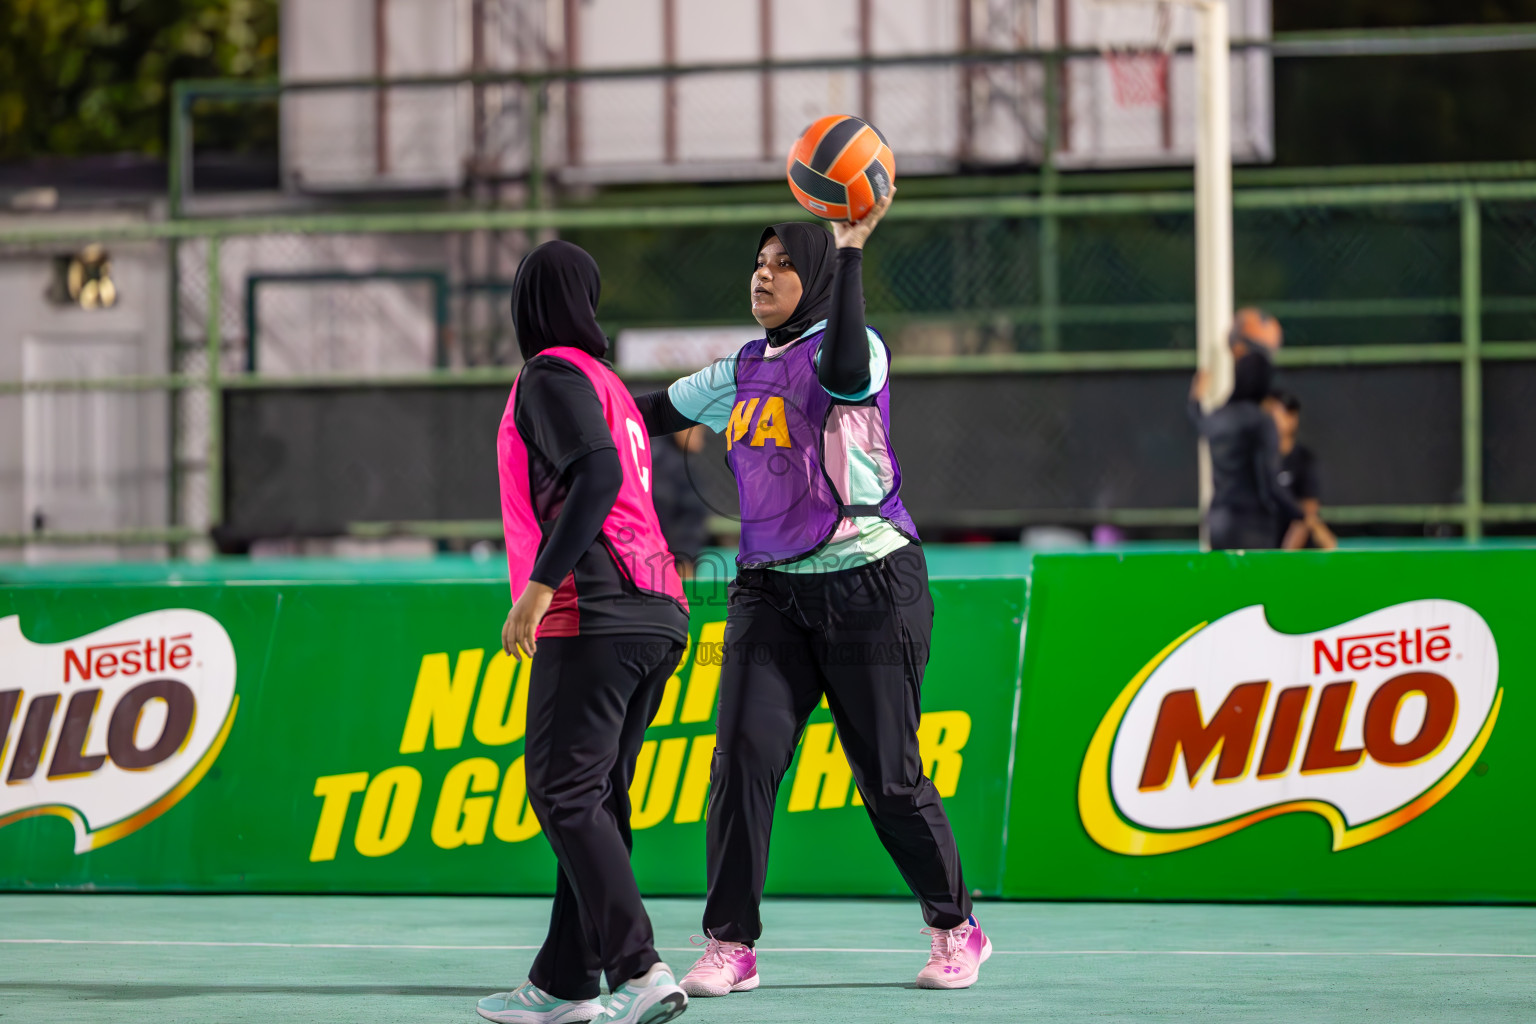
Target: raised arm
(843, 364)
(1196, 408)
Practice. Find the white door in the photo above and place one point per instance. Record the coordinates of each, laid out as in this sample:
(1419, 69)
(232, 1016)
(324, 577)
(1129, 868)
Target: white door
(82, 450)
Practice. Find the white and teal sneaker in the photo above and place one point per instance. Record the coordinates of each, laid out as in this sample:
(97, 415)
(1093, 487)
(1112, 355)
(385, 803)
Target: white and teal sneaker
(652, 998)
(529, 1004)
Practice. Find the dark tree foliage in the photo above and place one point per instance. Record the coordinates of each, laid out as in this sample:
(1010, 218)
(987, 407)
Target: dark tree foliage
(94, 76)
(1312, 15)
(1406, 109)
(1377, 110)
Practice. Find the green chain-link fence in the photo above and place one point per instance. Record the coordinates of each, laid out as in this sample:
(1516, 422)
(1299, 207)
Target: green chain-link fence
(1043, 324)
(1389, 325)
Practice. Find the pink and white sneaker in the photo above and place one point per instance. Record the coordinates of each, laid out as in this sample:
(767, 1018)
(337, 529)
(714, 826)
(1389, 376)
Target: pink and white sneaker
(956, 957)
(724, 968)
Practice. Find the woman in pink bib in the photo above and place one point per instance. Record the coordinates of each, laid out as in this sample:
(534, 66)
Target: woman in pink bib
(597, 594)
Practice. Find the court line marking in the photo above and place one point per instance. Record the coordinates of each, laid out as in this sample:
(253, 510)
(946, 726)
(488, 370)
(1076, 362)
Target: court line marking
(213, 944)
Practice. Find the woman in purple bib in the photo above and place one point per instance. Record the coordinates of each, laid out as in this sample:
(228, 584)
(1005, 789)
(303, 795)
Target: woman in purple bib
(830, 598)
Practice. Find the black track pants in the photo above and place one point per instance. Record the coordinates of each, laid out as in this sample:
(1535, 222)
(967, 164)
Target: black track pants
(859, 636)
(589, 701)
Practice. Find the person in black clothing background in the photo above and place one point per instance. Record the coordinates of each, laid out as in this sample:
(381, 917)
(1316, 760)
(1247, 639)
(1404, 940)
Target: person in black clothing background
(1299, 477)
(1248, 505)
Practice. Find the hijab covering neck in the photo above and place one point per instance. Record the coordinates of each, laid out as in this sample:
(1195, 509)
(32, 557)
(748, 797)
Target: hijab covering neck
(1252, 378)
(554, 300)
(814, 254)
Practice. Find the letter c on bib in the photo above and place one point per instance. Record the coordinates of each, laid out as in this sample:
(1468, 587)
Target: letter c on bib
(636, 446)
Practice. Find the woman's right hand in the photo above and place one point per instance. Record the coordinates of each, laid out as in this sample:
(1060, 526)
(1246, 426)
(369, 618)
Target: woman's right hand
(853, 234)
(519, 633)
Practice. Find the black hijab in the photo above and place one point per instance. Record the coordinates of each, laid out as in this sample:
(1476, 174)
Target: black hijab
(813, 253)
(554, 300)
(1252, 379)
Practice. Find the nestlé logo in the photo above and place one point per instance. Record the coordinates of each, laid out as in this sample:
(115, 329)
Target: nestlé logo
(111, 730)
(1367, 724)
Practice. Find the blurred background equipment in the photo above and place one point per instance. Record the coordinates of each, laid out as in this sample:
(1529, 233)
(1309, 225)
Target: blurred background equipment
(282, 313)
(84, 279)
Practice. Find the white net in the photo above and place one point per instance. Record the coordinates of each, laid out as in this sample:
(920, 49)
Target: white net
(1138, 71)
(1132, 99)
(1140, 79)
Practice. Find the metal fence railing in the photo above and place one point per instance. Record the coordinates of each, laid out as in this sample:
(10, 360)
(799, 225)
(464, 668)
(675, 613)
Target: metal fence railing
(1437, 273)
(1414, 284)
(988, 106)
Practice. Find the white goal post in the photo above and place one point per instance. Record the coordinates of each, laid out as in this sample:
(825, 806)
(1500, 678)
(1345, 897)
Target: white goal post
(1213, 208)
(1213, 219)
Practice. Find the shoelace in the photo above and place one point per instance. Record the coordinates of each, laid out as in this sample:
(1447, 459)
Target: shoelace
(714, 950)
(946, 943)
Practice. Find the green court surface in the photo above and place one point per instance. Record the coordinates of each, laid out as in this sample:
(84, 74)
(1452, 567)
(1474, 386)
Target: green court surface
(125, 959)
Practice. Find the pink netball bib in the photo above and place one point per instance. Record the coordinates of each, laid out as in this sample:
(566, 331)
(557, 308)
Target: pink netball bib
(631, 532)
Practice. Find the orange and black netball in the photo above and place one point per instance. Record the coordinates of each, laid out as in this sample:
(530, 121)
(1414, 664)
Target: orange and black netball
(840, 167)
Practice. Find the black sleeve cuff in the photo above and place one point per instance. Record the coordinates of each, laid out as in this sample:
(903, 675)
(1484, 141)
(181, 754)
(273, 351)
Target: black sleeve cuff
(660, 415)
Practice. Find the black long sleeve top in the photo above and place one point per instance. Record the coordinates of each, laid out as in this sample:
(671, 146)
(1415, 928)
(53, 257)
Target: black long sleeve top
(575, 476)
(594, 480)
(844, 361)
(1245, 459)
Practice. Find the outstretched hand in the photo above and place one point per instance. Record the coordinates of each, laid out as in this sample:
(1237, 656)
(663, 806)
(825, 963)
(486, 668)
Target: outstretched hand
(853, 234)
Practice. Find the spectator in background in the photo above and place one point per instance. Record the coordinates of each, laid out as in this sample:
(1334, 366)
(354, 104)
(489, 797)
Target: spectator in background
(1254, 330)
(1248, 505)
(681, 510)
(1298, 475)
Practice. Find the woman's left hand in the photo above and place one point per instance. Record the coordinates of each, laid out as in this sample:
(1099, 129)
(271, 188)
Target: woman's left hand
(853, 234)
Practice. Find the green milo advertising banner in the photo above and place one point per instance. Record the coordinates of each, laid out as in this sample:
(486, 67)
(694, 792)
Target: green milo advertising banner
(1277, 726)
(367, 737)
(1351, 725)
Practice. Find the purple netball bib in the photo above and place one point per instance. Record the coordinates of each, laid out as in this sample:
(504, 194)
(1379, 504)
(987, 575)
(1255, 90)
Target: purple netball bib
(793, 447)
